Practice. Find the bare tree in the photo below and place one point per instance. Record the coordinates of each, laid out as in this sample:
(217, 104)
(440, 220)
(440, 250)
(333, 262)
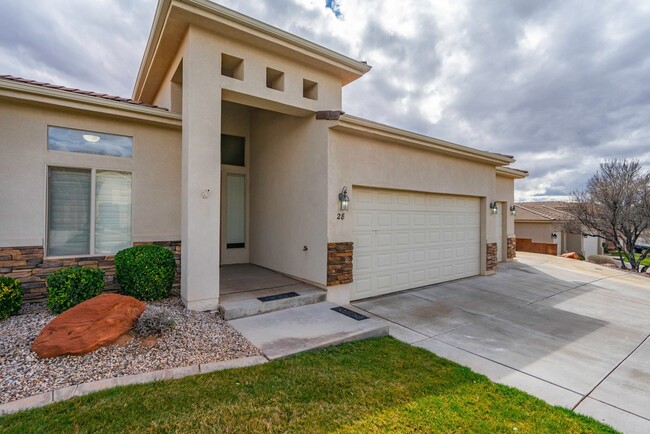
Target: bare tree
(615, 205)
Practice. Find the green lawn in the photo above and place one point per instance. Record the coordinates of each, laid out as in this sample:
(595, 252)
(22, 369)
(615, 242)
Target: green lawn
(646, 261)
(378, 385)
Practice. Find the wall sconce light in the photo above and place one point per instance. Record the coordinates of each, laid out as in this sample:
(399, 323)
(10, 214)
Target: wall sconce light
(554, 236)
(494, 209)
(584, 235)
(513, 210)
(344, 199)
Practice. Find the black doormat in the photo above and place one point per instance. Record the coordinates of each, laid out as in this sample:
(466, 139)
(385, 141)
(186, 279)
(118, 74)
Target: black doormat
(347, 312)
(278, 296)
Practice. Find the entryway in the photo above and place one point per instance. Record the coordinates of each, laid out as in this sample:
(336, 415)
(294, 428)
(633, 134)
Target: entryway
(247, 290)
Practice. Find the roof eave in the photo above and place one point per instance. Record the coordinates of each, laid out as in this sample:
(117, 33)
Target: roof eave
(363, 126)
(510, 172)
(53, 97)
(348, 67)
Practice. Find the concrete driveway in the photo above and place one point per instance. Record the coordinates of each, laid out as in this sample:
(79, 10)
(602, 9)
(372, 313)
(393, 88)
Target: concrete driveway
(572, 333)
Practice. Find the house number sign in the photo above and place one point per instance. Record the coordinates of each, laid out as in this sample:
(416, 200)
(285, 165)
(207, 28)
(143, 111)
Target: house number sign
(340, 216)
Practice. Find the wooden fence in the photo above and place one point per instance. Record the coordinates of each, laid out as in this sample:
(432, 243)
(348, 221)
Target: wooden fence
(527, 245)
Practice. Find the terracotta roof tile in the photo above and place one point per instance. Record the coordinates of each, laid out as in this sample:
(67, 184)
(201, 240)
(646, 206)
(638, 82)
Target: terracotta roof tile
(79, 91)
(552, 211)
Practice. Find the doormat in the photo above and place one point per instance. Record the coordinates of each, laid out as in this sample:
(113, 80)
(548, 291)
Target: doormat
(352, 314)
(278, 296)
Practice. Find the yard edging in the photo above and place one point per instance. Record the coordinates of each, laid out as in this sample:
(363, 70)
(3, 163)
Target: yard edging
(66, 393)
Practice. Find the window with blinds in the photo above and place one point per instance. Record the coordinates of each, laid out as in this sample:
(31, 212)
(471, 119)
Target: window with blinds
(89, 211)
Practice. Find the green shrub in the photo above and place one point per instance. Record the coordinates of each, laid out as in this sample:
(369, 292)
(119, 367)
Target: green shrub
(70, 286)
(145, 272)
(11, 296)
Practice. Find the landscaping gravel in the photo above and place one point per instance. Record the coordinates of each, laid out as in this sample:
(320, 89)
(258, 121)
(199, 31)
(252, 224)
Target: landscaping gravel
(197, 337)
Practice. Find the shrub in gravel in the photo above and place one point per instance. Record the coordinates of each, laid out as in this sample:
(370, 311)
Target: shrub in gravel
(602, 260)
(11, 296)
(154, 323)
(145, 272)
(70, 286)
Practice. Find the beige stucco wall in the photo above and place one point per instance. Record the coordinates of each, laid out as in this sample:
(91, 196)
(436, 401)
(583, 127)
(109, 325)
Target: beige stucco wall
(366, 162)
(539, 233)
(505, 192)
(252, 89)
(356, 161)
(23, 169)
(288, 189)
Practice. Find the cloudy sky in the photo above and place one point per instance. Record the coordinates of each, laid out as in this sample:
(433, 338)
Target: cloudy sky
(560, 84)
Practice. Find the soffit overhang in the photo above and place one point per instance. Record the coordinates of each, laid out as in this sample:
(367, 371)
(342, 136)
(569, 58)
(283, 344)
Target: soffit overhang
(173, 18)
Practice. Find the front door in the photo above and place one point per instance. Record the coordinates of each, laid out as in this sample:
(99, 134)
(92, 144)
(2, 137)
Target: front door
(234, 202)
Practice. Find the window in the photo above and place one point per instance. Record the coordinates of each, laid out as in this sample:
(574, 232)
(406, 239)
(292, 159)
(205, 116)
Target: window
(274, 79)
(233, 150)
(89, 211)
(88, 142)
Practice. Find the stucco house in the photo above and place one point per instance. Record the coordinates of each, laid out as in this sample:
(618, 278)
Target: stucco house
(539, 225)
(233, 149)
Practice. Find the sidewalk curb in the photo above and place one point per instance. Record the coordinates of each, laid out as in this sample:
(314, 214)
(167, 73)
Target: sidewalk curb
(66, 393)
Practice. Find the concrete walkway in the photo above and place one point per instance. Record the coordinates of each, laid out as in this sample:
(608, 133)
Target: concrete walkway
(572, 333)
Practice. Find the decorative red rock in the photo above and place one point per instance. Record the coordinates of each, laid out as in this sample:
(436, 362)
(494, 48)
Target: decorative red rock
(570, 255)
(89, 325)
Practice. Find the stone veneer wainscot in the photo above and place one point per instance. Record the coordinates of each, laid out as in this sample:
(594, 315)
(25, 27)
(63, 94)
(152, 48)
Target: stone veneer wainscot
(339, 263)
(29, 265)
(491, 260)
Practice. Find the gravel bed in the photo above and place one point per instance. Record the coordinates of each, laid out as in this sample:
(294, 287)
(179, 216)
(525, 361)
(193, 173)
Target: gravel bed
(197, 337)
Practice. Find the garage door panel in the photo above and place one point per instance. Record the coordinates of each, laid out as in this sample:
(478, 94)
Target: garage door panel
(405, 239)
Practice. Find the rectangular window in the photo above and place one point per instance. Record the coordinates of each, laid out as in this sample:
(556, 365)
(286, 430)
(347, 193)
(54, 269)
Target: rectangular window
(88, 142)
(233, 150)
(89, 212)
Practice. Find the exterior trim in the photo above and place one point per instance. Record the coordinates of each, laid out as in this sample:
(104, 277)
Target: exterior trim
(355, 125)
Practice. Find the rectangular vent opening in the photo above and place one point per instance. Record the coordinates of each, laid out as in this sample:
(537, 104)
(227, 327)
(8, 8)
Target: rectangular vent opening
(347, 312)
(278, 296)
(232, 66)
(274, 79)
(309, 89)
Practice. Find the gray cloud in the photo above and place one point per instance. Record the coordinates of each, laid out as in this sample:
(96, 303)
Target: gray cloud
(559, 84)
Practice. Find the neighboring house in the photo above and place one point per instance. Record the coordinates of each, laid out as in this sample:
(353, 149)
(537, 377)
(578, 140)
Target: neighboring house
(234, 149)
(541, 223)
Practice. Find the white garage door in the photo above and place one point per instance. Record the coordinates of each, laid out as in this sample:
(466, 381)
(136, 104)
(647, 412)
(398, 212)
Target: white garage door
(405, 240)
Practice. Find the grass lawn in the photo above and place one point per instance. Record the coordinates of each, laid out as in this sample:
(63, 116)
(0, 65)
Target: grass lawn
(378, 385)
(646, 261)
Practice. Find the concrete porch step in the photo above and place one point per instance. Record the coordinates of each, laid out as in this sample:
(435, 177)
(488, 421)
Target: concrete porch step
(290, 331)
(245, 304)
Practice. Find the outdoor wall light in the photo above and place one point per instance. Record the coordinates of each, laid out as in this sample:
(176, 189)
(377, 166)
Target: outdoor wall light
(554, 236)
(494, 209)
(584, 235)
(513, 210)
(344, 199)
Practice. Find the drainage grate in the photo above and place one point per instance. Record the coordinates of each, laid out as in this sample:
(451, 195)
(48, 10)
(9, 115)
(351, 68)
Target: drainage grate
(278, 296)
(347, 312)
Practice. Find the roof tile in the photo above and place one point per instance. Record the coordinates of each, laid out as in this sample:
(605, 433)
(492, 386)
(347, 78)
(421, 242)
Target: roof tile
(79, 91)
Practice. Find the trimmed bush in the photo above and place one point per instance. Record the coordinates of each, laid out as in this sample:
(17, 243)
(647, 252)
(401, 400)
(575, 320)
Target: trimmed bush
(145, 272)
(11, 296)
(68, 287)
